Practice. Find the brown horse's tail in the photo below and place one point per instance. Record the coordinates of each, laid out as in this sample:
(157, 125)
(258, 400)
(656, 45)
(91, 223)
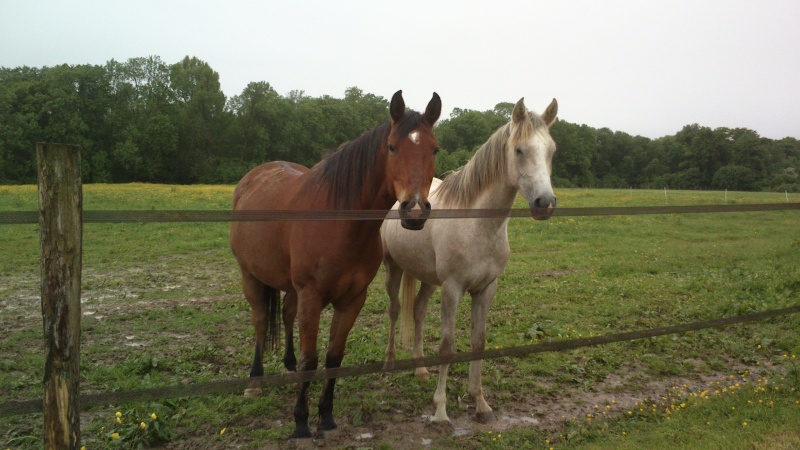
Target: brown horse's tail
(272, 297)
(408, 294)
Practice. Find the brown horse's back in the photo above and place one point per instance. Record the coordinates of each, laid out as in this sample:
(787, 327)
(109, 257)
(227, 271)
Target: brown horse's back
(271, 176)
(261, 247)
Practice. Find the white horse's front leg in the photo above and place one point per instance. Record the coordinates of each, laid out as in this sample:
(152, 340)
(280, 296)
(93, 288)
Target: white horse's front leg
(450, 296)
(480, 308)
(440, 396)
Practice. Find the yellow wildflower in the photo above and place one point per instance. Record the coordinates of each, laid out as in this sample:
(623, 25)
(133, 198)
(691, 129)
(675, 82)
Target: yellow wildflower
(114, 435)
(222, 431)
(143, 425)
(153, 416)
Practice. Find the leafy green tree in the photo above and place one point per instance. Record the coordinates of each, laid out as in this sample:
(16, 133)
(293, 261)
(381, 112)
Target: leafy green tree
(577, 148)
(467, 129)
(201, 106)
(749, 150)
(143, 118)
(259, 117)
(504, 110)
(735, 178)
(708, 151)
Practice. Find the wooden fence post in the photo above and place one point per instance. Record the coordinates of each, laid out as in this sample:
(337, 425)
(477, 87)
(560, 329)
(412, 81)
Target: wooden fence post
(61, 237)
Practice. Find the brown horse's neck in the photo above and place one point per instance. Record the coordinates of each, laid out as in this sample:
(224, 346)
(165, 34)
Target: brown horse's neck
(375, 194)
(355, 175)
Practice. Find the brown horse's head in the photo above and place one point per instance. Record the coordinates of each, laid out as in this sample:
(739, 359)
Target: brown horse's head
(410, 161)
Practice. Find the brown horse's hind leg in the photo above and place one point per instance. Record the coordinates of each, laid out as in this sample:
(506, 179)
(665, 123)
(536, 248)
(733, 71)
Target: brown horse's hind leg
(259, 309)
(289, 314)
(341, 324)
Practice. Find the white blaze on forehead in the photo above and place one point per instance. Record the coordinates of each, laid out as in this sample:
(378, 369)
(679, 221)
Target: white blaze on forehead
(414, 136)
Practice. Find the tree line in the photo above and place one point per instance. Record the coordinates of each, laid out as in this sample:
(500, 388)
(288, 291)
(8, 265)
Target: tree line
(144, 120)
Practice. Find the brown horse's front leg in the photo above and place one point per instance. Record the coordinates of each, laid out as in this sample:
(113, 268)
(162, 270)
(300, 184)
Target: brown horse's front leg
(326, 421)
(308, 312)
(344, 316)
(301, 429)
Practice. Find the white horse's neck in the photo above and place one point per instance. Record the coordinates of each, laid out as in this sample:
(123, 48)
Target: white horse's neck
(498, 194)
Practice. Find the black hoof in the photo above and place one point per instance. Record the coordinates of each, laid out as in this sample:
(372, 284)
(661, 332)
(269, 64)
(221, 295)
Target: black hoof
(327, 424)
(301, 433)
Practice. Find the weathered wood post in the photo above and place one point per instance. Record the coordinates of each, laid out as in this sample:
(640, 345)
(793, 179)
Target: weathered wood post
(61, 237)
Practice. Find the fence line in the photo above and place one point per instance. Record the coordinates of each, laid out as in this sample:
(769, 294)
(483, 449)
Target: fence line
(238, 385)
(148, 216)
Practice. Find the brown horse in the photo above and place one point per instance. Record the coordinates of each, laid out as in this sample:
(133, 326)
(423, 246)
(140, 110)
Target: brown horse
(321, 263)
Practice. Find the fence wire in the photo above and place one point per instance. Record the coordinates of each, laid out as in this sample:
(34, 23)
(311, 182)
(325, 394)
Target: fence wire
(149, 216)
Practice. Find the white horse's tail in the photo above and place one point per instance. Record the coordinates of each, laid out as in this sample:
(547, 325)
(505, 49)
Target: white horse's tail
(408, 295)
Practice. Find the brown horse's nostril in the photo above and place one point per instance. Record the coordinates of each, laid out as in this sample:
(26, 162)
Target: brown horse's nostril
(413, 214)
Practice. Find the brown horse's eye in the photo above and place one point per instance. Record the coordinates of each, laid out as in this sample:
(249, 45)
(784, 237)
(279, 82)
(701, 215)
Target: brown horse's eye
(391, 148)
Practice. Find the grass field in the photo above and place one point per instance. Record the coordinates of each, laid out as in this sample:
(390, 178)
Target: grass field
(162, 305)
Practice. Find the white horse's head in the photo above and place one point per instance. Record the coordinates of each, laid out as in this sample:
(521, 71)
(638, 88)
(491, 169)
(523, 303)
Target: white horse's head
(530, 157)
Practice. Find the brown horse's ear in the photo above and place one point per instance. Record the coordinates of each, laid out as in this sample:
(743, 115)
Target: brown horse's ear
(434, 109)
(550, 113)
(519, 114)
(397, 109)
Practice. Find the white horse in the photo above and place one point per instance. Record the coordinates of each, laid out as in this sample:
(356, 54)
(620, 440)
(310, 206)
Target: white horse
(468, 255)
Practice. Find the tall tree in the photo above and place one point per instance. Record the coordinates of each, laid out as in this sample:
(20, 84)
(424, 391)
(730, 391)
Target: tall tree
(201, 106)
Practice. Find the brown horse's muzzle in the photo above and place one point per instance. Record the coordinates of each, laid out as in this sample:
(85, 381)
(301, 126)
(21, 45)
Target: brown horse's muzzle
(413, 214)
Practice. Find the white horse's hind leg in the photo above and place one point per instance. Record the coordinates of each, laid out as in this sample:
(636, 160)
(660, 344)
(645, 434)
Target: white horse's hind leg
(420, 309)
(480, 307)
(451, 294)
(392, 281)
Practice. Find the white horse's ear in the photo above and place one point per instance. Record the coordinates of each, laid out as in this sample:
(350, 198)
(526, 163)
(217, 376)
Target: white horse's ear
(519, 114)
(550, 113)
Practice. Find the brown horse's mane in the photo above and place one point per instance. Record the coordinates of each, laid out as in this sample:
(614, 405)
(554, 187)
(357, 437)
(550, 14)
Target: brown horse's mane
(462, 186)
(351, 169)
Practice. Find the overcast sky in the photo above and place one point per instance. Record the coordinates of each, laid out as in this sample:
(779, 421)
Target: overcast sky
(643, 67)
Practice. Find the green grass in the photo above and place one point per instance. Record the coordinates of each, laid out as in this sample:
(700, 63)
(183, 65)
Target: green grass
(162, 305)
